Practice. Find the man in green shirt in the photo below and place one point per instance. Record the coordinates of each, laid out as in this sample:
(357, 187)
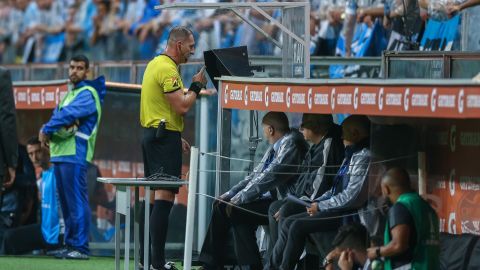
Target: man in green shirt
(411, 238)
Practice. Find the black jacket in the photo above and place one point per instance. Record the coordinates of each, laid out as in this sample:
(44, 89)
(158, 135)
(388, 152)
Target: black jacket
(321, 164)
(8, 129)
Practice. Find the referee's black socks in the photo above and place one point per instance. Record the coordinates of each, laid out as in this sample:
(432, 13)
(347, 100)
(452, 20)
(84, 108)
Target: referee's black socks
(158, 231)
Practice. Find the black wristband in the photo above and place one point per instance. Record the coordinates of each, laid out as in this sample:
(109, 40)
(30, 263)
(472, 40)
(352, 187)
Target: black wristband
(196, 87)
(377, 251)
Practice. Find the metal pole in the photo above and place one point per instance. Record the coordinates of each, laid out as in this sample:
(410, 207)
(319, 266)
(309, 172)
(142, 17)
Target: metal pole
(203, 180)
(218, 161)
(192, 189)
(146, 236)
(127, 230)
(306, 45)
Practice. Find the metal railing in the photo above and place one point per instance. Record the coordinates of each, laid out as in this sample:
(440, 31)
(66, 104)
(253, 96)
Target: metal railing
(132, 71)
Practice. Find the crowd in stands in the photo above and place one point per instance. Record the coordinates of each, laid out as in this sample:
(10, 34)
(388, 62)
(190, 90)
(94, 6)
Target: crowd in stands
(46, 31)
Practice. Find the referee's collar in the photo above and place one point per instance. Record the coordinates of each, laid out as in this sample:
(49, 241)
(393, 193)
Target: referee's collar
(170, 58)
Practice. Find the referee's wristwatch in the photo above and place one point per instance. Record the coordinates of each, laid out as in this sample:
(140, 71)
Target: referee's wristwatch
(326, 262)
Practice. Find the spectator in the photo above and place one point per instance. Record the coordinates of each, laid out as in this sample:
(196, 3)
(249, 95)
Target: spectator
(46, 234)
(273, 178)
(44, 29)
(348, 194)
(73, 38)
(71, 132)
(457, 7)
(104, 27)
(412, 231)
(5, 27)
(403, 18)
(19, 22)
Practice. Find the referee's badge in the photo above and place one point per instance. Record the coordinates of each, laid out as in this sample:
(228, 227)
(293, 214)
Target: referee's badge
(175, 82)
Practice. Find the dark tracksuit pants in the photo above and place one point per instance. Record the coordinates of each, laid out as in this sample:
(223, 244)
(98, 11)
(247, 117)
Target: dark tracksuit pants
(244, 225)
(73, 194)
(293, 234)
(286, 209)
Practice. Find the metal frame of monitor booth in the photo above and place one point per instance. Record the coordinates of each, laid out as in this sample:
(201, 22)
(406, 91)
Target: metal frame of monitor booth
(299, 52)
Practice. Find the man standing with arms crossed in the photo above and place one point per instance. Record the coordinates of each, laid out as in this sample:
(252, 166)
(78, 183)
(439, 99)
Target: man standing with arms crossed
(162, 107)
(71, 134)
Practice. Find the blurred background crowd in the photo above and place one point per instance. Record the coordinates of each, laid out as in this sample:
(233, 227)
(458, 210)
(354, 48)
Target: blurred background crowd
(49, 31)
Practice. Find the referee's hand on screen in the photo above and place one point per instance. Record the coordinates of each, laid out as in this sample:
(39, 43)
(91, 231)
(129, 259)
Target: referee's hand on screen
(200, 77)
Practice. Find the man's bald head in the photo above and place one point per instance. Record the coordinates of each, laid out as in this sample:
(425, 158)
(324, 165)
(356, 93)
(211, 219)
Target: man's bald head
(355, 128)
(397, 179)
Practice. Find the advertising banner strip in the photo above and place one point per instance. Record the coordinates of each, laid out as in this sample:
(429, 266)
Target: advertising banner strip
(35, 96)
(439, 101)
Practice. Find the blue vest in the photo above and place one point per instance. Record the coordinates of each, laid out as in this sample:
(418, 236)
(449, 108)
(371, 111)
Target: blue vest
(50, 210)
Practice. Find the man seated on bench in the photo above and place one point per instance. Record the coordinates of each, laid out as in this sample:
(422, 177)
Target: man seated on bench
(318, 168)
(273, 178)
(348, 193)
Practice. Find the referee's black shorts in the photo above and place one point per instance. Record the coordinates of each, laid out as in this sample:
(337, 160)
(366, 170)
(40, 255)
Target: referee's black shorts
(162, 155)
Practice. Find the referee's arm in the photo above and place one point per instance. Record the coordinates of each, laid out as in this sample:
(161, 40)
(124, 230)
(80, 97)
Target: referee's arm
(180, 101)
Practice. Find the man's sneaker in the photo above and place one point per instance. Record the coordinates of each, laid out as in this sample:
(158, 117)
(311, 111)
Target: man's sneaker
(54, 252)
(62, 253)
(167, 266)
(170, 266)
(72, 254)
(76, 255)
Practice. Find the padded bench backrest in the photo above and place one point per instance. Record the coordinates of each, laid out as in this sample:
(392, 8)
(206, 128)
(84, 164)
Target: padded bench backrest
(456, 251)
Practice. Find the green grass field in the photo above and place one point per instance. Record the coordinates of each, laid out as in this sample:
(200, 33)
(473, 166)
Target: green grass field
(49, 263)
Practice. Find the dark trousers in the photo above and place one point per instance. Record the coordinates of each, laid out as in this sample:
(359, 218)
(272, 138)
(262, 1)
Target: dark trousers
(24, 239)
(293, 234)
(244, 225)
(286, 209)
(72, 190)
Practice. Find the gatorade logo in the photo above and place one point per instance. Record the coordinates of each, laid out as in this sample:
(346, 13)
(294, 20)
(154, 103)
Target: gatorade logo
(433, 100)
(355, 98)
(452, 228)
(28, 96)
(406, 99)
(42, 96)
(225, 94)
(266, 96)
(461, 101)
(380, 99)
(453, 138)
(57, 96)
(332, 99)
(310, 99)
(245, 93)
(288, 97)
(451, 182)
